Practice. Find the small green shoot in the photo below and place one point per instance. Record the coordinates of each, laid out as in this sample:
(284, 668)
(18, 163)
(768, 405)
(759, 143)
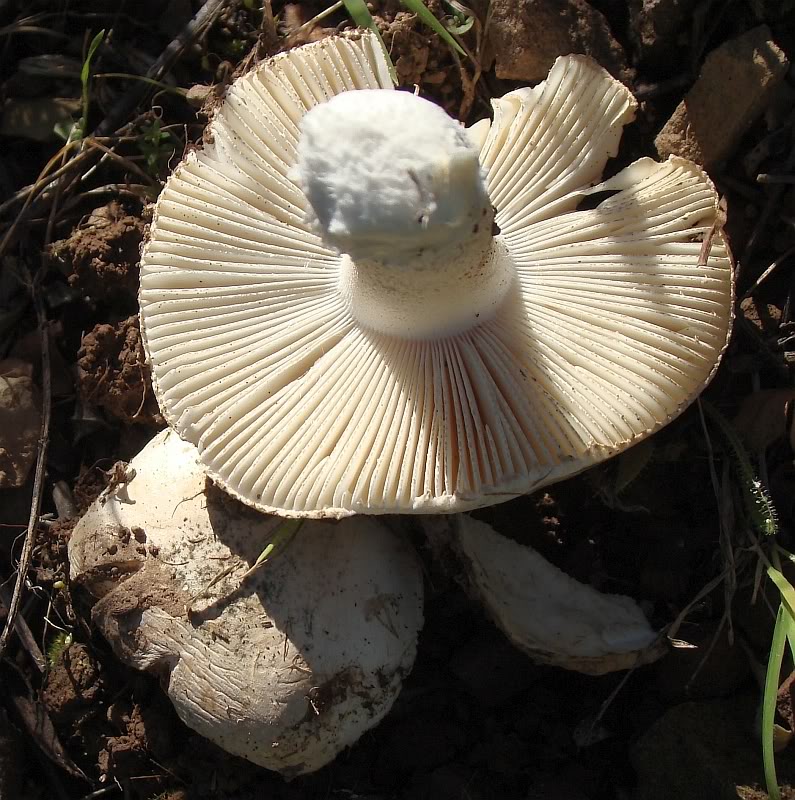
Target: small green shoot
(419, 8)
(57, 647)
(283, 536)
(156, 146)
(360, 14)
(461, 19)
(78, 129)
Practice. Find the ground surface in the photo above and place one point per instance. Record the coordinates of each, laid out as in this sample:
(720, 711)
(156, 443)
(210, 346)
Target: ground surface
(476, 719)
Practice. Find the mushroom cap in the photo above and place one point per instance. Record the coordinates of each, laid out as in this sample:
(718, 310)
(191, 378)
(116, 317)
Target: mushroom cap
(614, 323)
(546, 613)
(285, 668)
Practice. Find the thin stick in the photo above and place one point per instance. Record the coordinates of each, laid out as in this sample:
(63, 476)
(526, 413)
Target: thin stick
(38, 480)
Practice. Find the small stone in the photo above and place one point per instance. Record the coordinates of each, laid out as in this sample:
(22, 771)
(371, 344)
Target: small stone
(660, 30)
(736, 84)
(526, 36)
(20, 422)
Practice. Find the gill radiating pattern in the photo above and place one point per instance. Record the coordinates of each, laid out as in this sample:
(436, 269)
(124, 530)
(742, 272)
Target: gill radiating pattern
(297, 410)
(229, 235)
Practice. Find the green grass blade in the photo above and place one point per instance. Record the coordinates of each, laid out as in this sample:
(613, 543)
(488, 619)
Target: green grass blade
(78, 130)
(360, 14)
(419, 8)
(85, 72)
(783, 621)
(785, 589)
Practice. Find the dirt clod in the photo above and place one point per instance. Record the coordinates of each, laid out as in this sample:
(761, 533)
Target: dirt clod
(101, 256)
(114, 375)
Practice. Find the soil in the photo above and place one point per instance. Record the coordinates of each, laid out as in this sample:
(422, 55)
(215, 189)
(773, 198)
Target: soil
(476, 719)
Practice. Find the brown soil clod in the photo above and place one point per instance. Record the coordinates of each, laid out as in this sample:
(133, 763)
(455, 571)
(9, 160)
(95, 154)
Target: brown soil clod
(113, 373)
(101, 256)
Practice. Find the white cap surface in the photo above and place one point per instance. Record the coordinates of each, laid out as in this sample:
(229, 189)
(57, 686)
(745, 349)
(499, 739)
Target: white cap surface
(591, 329)
(547, 613)
(286, 667)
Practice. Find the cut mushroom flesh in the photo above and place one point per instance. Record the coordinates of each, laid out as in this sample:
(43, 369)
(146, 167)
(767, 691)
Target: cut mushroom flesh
(606, 323)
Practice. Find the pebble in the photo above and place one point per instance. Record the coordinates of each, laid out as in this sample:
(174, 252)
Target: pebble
(526, 37)
(737, 82)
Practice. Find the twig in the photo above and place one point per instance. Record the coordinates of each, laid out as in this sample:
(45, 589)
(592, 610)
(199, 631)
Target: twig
(38, 480)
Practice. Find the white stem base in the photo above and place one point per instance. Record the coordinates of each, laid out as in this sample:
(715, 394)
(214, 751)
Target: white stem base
(435, 294)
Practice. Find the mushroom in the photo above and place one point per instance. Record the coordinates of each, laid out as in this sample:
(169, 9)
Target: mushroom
(546, 613)
(286, 667)
(352, 304)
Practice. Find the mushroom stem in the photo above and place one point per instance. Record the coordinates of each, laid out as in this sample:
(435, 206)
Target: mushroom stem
(442, 293)
(395, 185)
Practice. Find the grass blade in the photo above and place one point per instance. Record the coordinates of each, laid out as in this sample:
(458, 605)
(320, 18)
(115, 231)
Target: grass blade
(785, 589)
(783, 621)
(360, 14)
(419, 8)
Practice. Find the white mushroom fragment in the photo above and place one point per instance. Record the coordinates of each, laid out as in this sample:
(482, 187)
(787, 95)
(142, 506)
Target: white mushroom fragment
(546, 613)
(334, 320)
(285, 668)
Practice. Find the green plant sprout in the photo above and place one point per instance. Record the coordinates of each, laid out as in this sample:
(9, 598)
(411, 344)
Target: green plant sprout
(761, 515)
(77, 130)
(461, 19)
(156, 146)
(57, 647)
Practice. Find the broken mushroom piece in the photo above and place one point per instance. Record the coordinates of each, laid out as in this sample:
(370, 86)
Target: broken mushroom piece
(358, 306)
(286, 667)
(546, 613)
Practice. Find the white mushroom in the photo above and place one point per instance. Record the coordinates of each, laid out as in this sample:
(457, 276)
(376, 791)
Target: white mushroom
(333, 321)
(285, 668)
(542, 610)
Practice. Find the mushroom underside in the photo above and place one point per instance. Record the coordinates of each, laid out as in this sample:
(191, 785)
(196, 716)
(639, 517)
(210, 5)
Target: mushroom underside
(613, 320)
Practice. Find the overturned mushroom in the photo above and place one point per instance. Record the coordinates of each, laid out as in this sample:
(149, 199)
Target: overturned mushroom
(341, 322)
(546, 613)
(286, 667)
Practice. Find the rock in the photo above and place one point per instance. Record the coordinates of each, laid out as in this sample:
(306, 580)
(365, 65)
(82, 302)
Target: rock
(660, 30)
(526, 36)
(20, 422)
(737, 82)
(37, 118)
(704, 750)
